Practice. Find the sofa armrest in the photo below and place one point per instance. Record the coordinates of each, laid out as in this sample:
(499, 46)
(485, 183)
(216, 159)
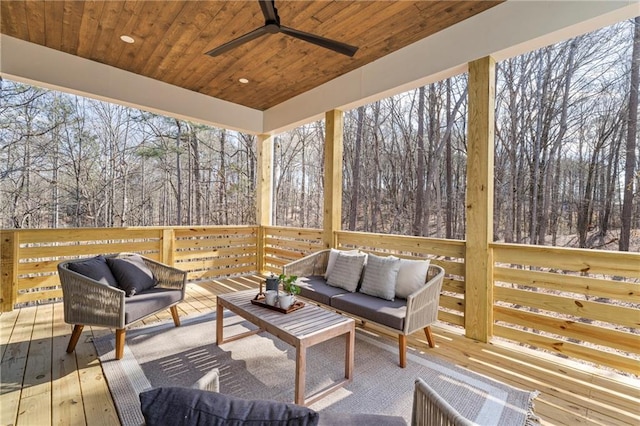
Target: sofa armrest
(422, 304)
(313, 264)
(90, 302)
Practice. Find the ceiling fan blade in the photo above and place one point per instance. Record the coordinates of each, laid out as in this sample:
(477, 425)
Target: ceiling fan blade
(269, 11)
(238, 41)
(334, 45)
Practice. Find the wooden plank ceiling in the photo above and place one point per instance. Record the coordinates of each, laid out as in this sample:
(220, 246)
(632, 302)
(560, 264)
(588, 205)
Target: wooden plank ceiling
(172, 37)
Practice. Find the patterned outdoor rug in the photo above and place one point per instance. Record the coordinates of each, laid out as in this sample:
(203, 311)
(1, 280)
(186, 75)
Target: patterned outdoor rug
(263, 367)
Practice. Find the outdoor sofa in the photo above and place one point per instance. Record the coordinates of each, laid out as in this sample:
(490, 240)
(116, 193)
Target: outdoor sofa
(401, 295)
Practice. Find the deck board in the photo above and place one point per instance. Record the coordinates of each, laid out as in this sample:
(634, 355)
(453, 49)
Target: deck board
(73, 390)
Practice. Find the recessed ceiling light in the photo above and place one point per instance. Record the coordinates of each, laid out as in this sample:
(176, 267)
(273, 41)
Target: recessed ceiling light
(243, 80)
(127, 39)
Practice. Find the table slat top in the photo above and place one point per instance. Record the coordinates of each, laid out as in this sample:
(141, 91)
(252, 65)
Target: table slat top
(300, 324)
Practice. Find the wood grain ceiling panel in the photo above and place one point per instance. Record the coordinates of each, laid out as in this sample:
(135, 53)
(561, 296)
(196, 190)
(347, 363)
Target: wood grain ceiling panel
(172, 38)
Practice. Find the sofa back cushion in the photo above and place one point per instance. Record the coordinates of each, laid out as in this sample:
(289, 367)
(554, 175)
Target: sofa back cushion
(196, 407)
(95, 268)
(346, 271)
(380, 276)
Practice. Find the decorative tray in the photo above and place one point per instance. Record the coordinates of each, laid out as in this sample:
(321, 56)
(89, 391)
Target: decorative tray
(259, 300)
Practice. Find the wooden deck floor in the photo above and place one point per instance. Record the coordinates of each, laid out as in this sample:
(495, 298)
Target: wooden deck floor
(43, 385)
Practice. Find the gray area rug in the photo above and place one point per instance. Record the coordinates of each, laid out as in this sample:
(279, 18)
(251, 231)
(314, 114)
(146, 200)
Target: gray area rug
(262, 367)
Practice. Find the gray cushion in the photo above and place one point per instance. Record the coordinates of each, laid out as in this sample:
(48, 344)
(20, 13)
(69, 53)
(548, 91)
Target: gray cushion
(132, 274)
(346, 271)
(380, 276)
(95, 268)
(195, 407)
(386, 312)
(316, 288)
(149, 301)
(356, 419)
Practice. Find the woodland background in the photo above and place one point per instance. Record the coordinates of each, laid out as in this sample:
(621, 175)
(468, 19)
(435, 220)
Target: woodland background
(566, 159)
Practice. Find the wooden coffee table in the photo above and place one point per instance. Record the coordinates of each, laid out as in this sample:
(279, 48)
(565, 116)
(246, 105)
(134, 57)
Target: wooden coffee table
(302, 329)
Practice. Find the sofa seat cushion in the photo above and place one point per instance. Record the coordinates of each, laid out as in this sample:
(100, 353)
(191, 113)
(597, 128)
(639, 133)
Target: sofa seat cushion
(186, 406)
(316, 288)
(149, 301)
(385, 312)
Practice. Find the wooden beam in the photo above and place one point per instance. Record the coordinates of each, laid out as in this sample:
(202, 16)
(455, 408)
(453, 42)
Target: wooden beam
(9, 269)
(333, 146)
(479, 262)
(264, 193)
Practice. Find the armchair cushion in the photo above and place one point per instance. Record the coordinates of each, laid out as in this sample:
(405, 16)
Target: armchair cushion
(173, 405)
(132, 274)
(152, 300)
(95, 268)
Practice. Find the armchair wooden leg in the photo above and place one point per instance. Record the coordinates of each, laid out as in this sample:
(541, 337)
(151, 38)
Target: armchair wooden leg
(402, 348)
(174, 315)
(75, 336)
(427, 332)
(120, 339)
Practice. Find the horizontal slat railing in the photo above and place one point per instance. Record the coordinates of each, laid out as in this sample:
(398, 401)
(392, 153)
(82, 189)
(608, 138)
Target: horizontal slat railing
(283, 245)
(583, 304)
(30, 256)
(579, 303)
(446, 253)
(216, 251)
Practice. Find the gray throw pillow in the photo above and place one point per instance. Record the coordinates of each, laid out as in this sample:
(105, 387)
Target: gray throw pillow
(196, 407)
(132, 274)
(380, 276)
(346, 271)
(95, 268)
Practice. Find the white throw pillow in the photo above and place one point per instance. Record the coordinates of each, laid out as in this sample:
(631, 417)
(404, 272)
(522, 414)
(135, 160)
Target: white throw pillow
(346, 271)
(380, 276)
(333, 254)
(412, 275)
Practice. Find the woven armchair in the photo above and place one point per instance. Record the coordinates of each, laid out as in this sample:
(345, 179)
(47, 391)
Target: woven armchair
(89, 302)
(429, 408)
(421, 308)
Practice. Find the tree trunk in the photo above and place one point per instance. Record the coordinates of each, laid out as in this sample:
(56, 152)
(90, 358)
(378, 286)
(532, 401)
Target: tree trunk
(632, 129)
(420, 166)
(355, 167)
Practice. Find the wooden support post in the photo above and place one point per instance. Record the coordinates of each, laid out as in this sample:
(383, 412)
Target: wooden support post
(333, 147)
(480, 152)
(9, 245)
(264, 194)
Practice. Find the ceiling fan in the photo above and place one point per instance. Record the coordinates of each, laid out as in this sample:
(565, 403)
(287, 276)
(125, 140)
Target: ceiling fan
(272, 26)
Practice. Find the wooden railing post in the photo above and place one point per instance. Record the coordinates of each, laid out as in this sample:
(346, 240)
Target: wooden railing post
(333, 147)
(478, 260)
(168, 246)
(264, 194)
(9, 267)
